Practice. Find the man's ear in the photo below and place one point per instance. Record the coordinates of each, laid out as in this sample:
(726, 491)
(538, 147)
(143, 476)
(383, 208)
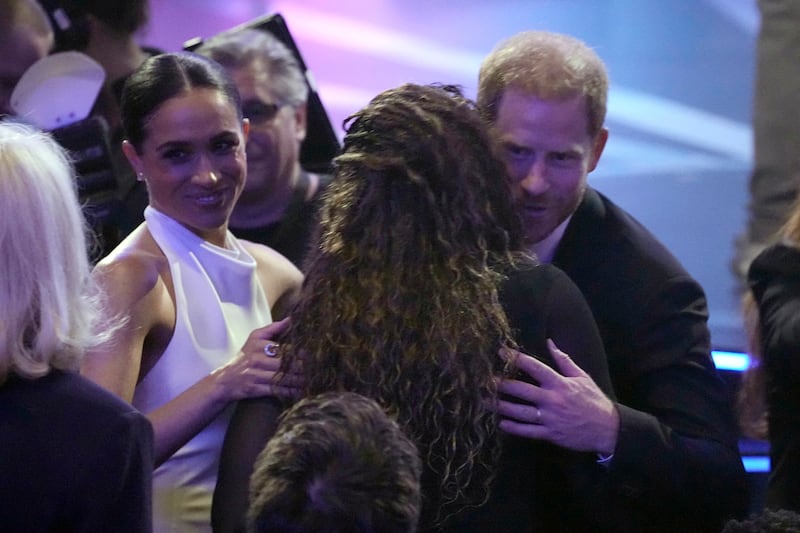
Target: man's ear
(598, 146)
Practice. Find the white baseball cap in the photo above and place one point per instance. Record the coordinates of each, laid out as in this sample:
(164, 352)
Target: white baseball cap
(58, 90)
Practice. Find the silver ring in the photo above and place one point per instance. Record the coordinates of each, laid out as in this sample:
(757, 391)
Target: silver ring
(538, 416)
(271, 349)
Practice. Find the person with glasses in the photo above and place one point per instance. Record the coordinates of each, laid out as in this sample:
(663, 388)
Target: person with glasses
(278, 204)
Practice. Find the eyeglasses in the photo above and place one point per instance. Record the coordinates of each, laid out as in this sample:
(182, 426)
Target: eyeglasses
(260, 112)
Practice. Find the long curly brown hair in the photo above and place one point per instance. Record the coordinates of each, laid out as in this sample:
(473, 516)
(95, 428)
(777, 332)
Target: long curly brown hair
(400, 301)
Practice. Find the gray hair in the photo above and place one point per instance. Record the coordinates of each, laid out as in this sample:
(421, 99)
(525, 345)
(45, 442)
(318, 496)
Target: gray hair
(241, 48)
(48, 301)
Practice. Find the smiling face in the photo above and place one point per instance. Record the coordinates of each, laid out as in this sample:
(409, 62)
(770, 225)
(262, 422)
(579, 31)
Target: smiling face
(548, 152)
(193, 160)
(276, 131)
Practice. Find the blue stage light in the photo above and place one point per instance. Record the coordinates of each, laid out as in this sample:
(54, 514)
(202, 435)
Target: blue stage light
(756, 463)
(731, 360)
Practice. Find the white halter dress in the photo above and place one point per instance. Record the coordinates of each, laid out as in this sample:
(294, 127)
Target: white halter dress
(219, 300)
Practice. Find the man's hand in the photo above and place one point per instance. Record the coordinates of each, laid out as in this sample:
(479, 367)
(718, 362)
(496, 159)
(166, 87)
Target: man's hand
(568, 410)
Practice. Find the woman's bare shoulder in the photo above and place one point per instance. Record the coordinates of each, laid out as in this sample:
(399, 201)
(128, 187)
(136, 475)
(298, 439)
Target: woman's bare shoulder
(134, 268)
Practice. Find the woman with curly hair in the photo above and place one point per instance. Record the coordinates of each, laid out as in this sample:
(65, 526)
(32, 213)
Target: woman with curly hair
(414, 288)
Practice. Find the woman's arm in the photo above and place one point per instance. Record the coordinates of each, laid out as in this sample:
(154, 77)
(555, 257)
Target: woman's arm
(135, 288)
(254, 421)
(251, 374)
(253, 424)
(133, 291)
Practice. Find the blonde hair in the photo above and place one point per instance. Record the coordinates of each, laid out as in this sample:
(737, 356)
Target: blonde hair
(549, 66)
(48, 303)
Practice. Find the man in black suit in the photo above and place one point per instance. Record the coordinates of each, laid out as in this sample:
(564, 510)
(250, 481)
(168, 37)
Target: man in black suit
(670, 443)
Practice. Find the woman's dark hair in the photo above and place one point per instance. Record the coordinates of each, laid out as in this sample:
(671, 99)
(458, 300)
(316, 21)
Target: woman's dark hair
(166, 76)
(400, 301)
(431, 140)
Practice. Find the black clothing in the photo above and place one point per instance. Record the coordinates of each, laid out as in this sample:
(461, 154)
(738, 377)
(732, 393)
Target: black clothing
(677, 465)
(774, 278)
(538, 486)
(73, 458)
(291, 235)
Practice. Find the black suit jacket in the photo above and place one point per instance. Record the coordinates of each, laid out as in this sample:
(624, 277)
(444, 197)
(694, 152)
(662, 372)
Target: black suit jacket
(73, 458)
(676, 465)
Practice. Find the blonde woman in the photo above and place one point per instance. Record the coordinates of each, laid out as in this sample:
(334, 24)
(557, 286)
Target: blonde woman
(73, 457)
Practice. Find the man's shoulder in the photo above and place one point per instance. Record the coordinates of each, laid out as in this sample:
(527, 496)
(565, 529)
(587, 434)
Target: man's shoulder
(610, 234)
(598, 214)
(615, 260)
(533, 275)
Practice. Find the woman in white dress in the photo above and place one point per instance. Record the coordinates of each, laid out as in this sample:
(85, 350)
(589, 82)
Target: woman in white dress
(196, 298)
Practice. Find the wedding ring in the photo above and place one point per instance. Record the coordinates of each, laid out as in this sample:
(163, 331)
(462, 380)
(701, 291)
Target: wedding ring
(538, 416)
(271, 349)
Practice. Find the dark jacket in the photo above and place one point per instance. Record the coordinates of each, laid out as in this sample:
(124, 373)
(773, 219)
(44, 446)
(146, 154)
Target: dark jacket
(538, 487)
(73, 458)
(774, 278)
(292, 235)
(676, 466)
